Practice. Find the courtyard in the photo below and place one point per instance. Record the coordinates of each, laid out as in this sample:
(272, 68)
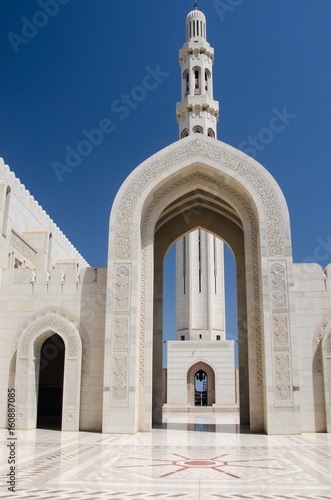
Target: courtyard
(195, 456)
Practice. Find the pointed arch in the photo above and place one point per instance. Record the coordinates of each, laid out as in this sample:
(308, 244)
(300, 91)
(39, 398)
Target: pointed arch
(30, 338)
(200, 182)
(210, 372)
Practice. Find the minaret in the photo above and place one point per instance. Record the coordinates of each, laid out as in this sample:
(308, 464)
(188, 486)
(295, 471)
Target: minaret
(197, 112)
(200, 304)
(200, 351)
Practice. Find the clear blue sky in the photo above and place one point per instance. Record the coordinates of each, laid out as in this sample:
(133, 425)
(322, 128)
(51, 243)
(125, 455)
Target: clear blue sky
(67, 76)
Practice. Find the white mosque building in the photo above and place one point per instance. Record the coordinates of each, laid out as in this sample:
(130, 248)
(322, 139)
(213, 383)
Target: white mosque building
(82, 346)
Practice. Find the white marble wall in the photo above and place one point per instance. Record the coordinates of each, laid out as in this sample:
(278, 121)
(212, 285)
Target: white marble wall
(219, 355)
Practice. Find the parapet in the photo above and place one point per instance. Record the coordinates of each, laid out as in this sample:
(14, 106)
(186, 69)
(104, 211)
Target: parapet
(42, 218)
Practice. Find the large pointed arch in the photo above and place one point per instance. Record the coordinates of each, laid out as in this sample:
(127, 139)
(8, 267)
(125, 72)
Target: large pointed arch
(201, 182)
(30, 338)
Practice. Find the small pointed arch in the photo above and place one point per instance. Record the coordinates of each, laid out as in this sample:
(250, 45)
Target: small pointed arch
(198, 130)
(207, 80)
(197, 80)
(211, 133)
(184, 133)
(209, 373)
(186, 82)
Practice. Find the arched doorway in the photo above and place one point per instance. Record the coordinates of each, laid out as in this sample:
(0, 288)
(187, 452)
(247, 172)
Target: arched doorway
(201, 183)
(201, 385)
(32, 335)
(50, 387)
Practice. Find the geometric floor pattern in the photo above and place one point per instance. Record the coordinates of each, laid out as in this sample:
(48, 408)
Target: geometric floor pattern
(174, 463)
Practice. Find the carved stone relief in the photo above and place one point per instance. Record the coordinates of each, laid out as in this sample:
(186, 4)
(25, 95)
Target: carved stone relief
(35, 327)
(121, 299)
(278, 287)
(121, 332)
(216, 153)
(22, 247)
(282, 375)
(280, 330)
(120, 337)
(54, 316)
(120, 377)
(281, 343)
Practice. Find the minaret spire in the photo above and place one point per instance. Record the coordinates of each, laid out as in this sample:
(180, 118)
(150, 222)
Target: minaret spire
(197, 112)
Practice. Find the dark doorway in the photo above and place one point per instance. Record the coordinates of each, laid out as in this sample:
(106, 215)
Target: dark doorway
(201, 388)
(50, 394)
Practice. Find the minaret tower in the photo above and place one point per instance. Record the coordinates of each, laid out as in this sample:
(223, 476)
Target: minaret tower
(199, 255)
(200, 361)
(197, 112)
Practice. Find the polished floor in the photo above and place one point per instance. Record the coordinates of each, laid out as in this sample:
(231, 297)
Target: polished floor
(195, 457)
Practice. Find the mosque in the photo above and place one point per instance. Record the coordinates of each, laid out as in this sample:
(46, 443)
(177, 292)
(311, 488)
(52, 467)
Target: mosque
(82, 346)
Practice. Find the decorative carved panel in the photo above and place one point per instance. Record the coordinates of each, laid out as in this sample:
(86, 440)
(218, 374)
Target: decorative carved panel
(281, 342)
(120, 377)
(282, 375)
(121, 299)
(22, 247)
(120, 337)
(121, 332)
(278, 287)
(280, 330)
(30, 333)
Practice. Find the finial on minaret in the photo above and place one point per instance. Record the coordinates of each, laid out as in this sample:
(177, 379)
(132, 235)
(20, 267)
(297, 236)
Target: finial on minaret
(195, 5)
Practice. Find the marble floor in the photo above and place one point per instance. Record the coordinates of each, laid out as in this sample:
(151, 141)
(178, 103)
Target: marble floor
(191, 457)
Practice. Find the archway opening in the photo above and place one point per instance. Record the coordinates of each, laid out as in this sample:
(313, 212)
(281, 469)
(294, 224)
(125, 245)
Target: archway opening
(222, 223)
(50, 387)
(201, 388)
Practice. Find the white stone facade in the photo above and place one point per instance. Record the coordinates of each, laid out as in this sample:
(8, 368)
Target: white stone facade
(215, 358)
(110, 319)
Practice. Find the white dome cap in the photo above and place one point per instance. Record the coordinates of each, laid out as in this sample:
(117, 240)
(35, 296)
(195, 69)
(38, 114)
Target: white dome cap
(195, 24)
(196, 14)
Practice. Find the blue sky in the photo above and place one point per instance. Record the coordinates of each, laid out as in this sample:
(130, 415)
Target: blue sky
(69, 75)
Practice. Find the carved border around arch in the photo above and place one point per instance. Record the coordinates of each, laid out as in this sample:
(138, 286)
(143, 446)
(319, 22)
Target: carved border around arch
(210, 150)
(36, 327)
(57, 312)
